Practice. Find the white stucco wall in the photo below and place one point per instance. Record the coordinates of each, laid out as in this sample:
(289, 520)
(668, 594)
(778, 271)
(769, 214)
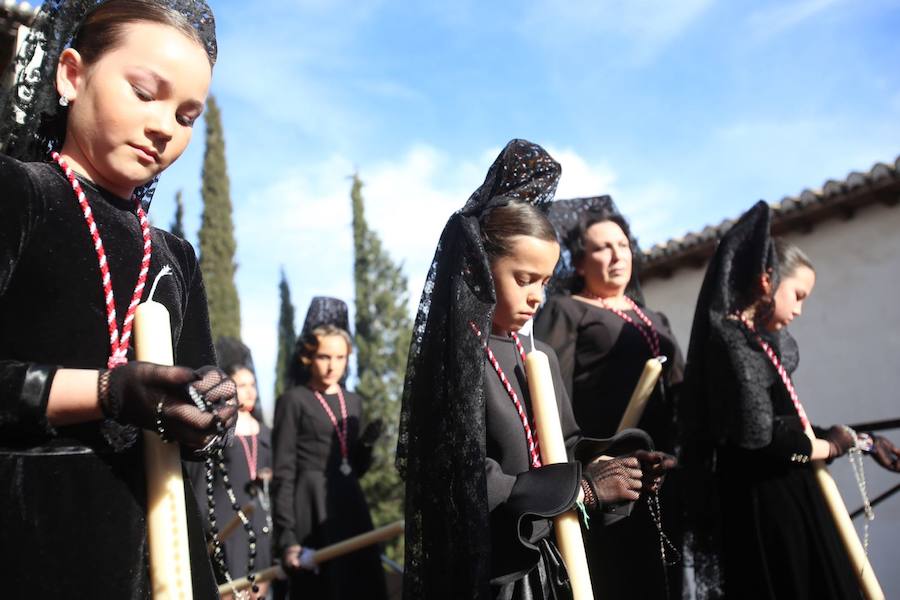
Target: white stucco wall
(849, 336)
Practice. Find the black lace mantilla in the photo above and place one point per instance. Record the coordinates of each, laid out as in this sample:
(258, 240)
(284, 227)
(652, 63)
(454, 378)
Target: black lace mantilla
(567, 217)
(743, 255)
(441, 449)
(324, 310)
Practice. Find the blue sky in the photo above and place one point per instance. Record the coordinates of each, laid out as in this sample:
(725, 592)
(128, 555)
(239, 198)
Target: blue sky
(685, 111)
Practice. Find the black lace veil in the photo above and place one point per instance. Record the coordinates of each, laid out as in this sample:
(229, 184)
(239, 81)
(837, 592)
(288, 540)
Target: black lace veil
(323, 310)
(569, 218)
(743, 255)
(441, 448)
(31, 120)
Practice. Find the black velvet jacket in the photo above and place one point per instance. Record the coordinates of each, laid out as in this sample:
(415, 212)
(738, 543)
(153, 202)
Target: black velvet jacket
(78, 505)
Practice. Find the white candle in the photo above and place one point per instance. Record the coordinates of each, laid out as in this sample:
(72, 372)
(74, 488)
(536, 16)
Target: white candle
(641, 394)
(865, 575)
(553, 450)
(167, 537)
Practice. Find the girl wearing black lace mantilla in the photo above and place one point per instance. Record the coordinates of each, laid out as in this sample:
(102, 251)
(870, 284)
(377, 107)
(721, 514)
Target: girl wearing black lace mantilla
(114, 96)
(320, 452)
(759, 525)
(478, 500)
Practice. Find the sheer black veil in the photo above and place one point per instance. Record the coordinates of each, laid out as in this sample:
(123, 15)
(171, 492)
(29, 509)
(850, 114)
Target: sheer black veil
(441, 448)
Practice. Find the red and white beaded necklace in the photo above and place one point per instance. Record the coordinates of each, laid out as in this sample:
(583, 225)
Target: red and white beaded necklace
(339, 429)
(530, 438)
(118, 344)
(651, 336)
(782, 372)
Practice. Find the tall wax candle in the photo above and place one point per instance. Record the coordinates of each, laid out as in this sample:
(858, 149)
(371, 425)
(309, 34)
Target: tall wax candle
(865, 575)
(553, 450)
(167, 537)
(641, 394)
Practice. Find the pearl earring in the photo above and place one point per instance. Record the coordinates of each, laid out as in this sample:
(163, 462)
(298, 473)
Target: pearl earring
(64, 101)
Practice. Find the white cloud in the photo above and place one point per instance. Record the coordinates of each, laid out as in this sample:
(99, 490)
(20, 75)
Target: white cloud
(580, 178)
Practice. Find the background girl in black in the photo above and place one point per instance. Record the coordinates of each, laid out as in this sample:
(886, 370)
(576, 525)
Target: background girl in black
(73, 402)
(477, 498)
(762, 523)
(320, 451)
(249, 465)
(603, 334)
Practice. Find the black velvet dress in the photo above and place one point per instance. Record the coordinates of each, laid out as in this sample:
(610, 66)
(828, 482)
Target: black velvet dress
(778, 537)
(525, 564)
(314, 504)
(73, 519)
(601, 358)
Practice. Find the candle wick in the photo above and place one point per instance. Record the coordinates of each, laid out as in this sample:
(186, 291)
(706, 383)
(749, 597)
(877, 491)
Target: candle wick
(166, 270)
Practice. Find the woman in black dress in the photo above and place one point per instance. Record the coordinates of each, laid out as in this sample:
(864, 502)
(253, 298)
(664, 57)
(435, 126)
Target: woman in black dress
(74, 402)
(478, 499)
(249, 464)
(761, 524)
(320, 452)
(603, 334)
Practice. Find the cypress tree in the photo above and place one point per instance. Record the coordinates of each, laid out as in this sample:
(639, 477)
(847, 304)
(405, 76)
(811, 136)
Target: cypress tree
(217, 244)
(177, 226)
(286, 335)
(383, 330)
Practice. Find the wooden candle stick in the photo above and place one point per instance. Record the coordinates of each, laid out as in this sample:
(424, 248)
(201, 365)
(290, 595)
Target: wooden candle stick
(321, 556)
(865, 575)
(232, 526)
(553, 450)
(641, 394)
(167, 537)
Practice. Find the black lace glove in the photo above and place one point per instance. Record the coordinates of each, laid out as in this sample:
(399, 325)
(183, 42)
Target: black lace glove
(840, 440)
(654, 465)
(151, 396)
(371, 433)
(217, 392)
(885, 453)
(612, 481)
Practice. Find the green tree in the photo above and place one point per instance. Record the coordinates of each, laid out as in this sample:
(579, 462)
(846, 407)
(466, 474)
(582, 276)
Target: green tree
(383, 330)
(177, 226)
(286, 335)
(217, 244)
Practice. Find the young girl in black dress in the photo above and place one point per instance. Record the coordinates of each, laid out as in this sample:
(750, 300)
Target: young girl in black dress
(761, 529)
(76, 256)
(478, 500)
(320, 452)
(249, 464)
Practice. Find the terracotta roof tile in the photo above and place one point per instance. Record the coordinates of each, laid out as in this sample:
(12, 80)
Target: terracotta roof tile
(880, 184)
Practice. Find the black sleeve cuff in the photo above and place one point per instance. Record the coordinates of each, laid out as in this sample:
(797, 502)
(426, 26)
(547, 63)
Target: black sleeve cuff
(789, 444)
(538, 494)
(25, 409)
(624, 442)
